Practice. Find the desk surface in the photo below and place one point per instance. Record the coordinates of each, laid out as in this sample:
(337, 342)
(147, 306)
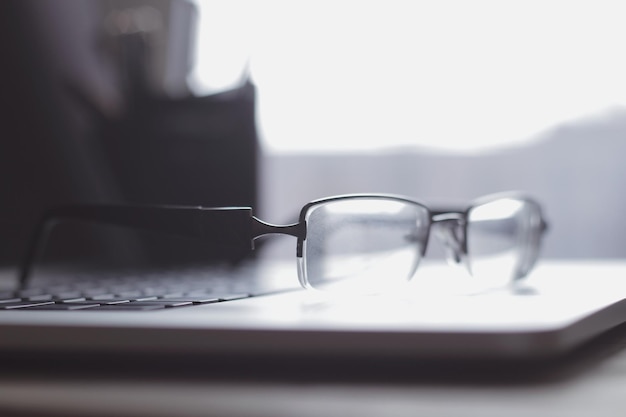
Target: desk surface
(589, 382)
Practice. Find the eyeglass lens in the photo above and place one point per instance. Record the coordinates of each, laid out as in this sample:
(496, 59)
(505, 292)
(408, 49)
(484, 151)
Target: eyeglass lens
(362, 245)
(502, 240)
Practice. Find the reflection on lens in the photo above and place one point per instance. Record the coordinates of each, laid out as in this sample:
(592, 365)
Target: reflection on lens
(362, 244)
(501, 238)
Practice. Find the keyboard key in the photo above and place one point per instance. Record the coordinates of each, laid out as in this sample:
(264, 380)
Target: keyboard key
(127, 307)
(62, 295)
(23, 304)
(69, 300)
(163, 303)
(10, 300)
(61, 307)
(104, 297)
(145, 298)
(113, 302)
(195, 300)
(102, 302)
(78, 302)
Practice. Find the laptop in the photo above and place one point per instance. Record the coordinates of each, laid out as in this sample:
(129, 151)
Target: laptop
(260, 310)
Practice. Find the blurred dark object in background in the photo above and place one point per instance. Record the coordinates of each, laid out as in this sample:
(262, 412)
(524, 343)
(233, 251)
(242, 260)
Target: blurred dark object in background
(95, 109)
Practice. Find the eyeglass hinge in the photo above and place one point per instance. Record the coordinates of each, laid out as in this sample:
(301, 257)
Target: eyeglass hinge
(261, 228)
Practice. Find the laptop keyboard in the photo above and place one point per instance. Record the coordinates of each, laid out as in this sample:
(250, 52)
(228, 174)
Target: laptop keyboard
(131, 292)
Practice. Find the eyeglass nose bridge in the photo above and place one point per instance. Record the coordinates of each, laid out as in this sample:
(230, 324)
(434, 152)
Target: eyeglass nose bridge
(450, 230)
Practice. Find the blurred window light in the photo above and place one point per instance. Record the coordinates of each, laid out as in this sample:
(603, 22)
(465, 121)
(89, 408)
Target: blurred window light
(457, 75)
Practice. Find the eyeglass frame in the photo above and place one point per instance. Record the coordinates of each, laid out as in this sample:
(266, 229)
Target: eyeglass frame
(237, 228)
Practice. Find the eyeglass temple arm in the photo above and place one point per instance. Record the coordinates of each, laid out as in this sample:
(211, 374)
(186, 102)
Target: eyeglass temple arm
(227, 227)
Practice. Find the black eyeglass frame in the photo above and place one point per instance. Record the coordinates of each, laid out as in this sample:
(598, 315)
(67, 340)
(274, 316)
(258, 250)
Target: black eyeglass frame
(236, 228)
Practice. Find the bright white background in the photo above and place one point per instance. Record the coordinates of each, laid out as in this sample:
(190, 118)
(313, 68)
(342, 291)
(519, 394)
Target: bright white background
(456, 75)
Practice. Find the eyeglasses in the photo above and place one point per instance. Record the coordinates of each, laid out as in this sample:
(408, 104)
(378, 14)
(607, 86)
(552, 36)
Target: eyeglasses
(355, 243)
